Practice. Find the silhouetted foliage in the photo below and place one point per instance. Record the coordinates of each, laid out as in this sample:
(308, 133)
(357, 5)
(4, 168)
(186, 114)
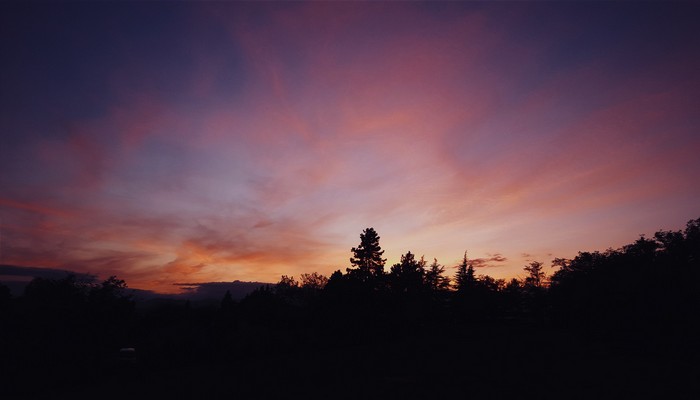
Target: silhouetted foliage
(435, 280)
(367, 257)
(265, 306)
(648, 285)
(381, 335)
(407, 275)
(465, 278)
(512, 295)
(535, 277)
(313, 281)
(286, 285)
(490, 284)
(335, 281)
(61, 293)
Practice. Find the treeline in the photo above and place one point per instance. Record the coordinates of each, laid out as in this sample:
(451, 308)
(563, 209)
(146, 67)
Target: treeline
(371, 330)
(653, 283)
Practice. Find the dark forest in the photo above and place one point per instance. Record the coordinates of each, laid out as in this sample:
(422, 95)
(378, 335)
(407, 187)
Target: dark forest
(611, 324)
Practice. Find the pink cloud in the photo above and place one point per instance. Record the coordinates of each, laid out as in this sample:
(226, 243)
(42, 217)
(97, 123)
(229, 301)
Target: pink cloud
(435, 131)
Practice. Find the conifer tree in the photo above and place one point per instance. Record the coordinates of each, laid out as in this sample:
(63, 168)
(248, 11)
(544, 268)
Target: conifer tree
(465, 279)
(367, 257)
(434, 278)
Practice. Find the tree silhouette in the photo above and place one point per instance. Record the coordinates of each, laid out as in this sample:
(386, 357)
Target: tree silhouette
(109, 300)
(287, 286)
(535, 278)
(512, 297)
(313, 281)
(287, 282)
(367, 257)
(645, 285)
(59, 295)
(334, 281)
(114, 285)
(109, 292)
(469, 301)
(434, 278)
(465, 279)
(490, 284)
(643, 296)
(407, 275)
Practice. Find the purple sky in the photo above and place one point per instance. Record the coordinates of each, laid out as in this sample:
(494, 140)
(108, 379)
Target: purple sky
(186, 142)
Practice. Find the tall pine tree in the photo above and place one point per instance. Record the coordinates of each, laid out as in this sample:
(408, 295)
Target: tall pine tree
(367, 257)
(465, 279)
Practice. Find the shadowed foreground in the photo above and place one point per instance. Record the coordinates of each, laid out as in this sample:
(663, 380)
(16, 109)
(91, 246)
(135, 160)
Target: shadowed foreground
(622, 323)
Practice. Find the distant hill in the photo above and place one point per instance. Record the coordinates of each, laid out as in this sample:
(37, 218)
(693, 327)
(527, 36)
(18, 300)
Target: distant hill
(198, 294)
(17, 277)
(216, 290)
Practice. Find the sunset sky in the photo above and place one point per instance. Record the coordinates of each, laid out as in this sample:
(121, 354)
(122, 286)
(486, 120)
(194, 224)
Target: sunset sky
(201, 142)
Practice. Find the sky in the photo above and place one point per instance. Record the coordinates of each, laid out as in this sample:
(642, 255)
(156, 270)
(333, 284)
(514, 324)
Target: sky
(202, 142)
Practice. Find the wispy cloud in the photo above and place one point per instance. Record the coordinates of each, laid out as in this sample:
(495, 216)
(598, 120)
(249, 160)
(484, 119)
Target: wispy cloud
(290, 129)
(493, 260)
